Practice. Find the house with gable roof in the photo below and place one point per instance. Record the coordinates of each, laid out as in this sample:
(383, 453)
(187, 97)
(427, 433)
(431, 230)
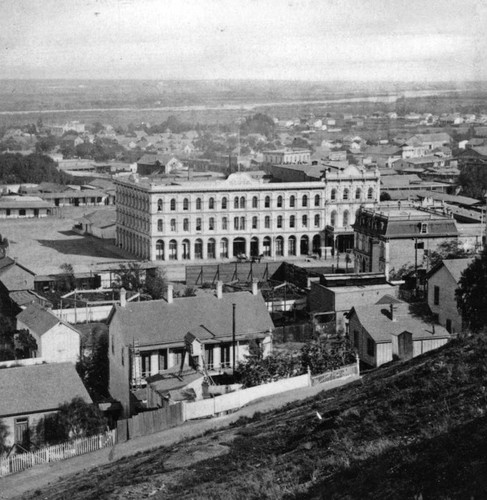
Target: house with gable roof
(57, 340)
(29, 393)
(442, 281)
(389, 330)
(163, 337)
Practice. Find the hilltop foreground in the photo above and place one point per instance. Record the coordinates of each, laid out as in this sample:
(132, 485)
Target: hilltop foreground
(410, 430)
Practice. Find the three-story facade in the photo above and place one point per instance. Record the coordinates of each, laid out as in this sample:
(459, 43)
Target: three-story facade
(219, 220)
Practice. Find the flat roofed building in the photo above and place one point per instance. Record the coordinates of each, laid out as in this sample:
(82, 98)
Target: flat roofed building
(191, 221)
(282, 156)
(398, 235)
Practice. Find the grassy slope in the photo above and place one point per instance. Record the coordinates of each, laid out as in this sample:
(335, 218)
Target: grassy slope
(408, 429)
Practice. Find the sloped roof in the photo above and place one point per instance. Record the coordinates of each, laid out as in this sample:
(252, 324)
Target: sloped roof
(158, 322)
(457, 266)
(388, 299)
(32, 389)
(38, 319)
(23, 202)
(376, 320)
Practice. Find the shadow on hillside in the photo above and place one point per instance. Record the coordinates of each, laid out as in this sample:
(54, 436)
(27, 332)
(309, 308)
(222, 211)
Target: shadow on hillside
(451, 465)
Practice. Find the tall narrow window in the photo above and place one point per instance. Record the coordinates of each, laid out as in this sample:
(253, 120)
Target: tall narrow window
(173, 204)
(255, 202)
(224, 203)
(235, 202)
(305, 201)
(224, 224)
(211, 224)
(254, 222)
(160, 225)
(279, 201)
(292, 221)
(267, 202)
(198, 224)
(279, 221)
(305, 221)
(173, 225)
(267, 222)
(211, 203)
(186, 225)
(185, 204)
(235, 223)
(292, 201)
(317, 220)
(242, 202)
(317, 200)
(198, 203)
(159, 205)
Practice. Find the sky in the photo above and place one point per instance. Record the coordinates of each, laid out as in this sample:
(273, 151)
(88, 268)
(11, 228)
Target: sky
(353, 40)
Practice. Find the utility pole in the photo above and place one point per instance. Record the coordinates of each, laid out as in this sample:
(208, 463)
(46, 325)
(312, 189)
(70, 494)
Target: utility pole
(234, 306)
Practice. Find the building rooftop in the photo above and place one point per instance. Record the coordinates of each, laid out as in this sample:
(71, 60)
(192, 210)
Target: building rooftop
(34, 389)
(158, 322)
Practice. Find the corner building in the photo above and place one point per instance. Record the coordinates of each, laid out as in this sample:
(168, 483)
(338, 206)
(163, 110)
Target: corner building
(188, 221)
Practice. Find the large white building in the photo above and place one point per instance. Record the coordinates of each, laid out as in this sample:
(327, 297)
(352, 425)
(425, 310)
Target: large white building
(191, 221)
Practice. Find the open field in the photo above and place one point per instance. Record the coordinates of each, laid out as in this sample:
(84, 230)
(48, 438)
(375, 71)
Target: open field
(43, 245)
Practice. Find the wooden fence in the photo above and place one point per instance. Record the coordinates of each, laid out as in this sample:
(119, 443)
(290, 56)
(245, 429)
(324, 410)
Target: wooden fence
(344, 371)
(150, 422)
(20, 462)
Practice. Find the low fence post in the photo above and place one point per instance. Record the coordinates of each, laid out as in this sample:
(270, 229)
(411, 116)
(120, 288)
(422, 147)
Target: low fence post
(357, 361)
(310, 380)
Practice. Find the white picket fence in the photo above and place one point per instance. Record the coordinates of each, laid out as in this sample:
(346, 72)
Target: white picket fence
(22, 461)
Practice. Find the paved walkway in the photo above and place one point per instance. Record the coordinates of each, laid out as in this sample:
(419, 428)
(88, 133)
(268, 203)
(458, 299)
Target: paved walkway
(39, 477)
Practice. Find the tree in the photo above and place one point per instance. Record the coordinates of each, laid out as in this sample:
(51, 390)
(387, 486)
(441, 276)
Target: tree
(25, 344)
(68, 276)
(385, 196)
(76, 419)
(129, 276)
(3, 437)
(46, 144)
(155, 284)
(471, 294)
(448, 250)
(325, 355)
(93, 368)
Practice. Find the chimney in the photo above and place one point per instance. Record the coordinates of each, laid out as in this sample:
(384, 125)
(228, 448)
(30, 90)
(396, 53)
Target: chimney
(255, 287)
(170, 294)
(123, 297)
(219, 289)
(393, 317)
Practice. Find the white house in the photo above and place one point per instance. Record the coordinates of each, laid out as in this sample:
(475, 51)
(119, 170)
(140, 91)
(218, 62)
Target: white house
(57, 340)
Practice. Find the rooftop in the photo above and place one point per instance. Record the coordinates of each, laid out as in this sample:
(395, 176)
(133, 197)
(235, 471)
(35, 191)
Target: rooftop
(43, 387)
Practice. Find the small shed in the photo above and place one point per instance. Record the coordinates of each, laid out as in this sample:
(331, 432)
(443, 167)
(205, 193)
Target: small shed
(402, 345)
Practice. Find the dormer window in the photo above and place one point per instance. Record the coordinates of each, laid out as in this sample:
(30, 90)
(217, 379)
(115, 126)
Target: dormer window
(424, 228)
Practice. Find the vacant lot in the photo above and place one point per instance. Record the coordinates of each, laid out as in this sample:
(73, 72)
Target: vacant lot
(43, 245)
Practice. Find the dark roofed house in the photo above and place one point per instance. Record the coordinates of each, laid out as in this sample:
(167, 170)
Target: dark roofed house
(148, 338)
(399, 235)
(158, 163)
(388, 330)
(28, 393)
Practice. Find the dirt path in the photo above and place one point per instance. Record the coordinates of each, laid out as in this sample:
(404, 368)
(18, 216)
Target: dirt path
(16, 485)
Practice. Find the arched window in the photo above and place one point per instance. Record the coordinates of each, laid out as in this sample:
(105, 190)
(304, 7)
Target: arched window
(185, 204)
(235, 223)
(235, 202)
(279, 221)
(186, 250)
(198, 203)
(211, 224)
(370, 194)
(242, 202)
(199, 225)
(292, 221)
(291, 246)
(198, 249)
(346, 218)
(346, 194)
(173, 204)
(159, 250)
(224, 224)
(223, 248)
(211, 249)
(224, 203)
(292, 201)
(333, 194)
(317, 200)
(242, 223)
(358, 194)
(305, 221)
(211, 203)
(279, 246)
(267, 202)
(160, 225)
(255, 202)
(173, 225)
(267, 222)
(317, 220)
(279, 201)
(266, 246)
(173, 250)
(305, 201)
(159, 205)
(186, 225)
(254, 222)
(333, 218)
